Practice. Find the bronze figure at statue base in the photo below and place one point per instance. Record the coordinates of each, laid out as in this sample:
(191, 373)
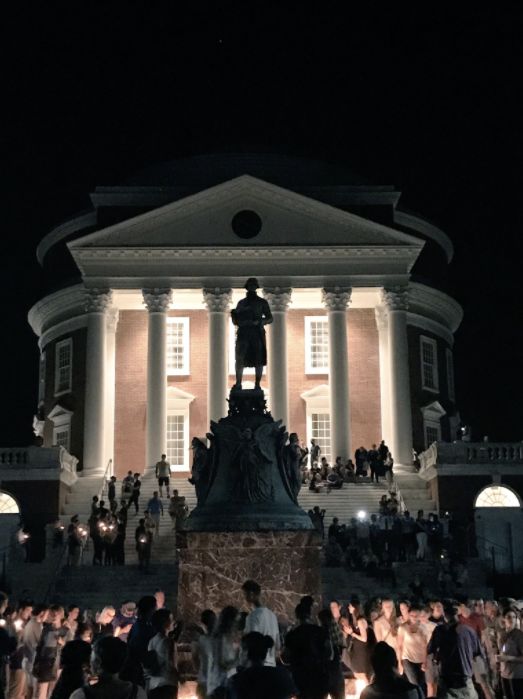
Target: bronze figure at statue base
(247, 523)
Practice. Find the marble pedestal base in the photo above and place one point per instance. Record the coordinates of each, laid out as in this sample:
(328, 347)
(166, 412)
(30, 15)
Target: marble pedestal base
(214, 565)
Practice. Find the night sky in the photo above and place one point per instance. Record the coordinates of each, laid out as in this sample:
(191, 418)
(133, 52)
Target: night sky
(427, 101)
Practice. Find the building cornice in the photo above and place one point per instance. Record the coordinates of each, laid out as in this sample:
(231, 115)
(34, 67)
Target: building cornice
(64, 231)
(435, 305)
(423, 323)
(430, 230)
(56, 308)
(204, 266)
(66, 327)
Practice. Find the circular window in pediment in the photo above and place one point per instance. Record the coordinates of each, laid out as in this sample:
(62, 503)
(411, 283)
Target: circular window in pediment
(246, 224)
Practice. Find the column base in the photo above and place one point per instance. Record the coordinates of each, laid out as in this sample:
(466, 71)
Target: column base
(214, 566)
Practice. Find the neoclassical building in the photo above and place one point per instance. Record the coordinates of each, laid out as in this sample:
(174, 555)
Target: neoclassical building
(135, 333)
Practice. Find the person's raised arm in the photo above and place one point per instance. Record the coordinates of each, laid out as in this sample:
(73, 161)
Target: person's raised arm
(363, 626)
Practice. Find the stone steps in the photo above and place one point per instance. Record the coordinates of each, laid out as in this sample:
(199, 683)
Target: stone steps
(94, 587)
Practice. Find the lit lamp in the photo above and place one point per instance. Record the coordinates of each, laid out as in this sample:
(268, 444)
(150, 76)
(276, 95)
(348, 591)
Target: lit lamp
(187, 690)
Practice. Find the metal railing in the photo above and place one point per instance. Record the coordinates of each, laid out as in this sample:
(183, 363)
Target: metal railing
(107, 474)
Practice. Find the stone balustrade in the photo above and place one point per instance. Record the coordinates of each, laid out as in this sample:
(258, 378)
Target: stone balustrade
(39, 461)
(468, 453)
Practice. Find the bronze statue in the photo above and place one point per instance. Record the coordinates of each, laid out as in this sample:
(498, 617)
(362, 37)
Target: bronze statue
(292, 460)
(250, 316)
(200, 467)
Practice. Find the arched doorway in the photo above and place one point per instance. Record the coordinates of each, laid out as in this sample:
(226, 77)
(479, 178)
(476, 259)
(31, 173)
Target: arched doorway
(499, 527)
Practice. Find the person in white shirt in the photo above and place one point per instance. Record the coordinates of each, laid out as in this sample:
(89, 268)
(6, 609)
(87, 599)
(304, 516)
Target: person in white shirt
(412, 648)
(201, 651)
(162, 682)
(261, 619)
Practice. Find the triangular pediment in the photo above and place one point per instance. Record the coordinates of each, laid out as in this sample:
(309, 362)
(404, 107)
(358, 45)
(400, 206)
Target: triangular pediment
(287, 219)
(434, 410)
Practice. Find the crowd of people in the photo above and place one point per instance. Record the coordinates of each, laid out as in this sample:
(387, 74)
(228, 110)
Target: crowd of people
(105, 531)
(374, 543)
(411, 649)
(318, 474)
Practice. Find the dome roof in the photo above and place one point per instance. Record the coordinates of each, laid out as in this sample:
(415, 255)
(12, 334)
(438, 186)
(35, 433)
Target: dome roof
(210, 169)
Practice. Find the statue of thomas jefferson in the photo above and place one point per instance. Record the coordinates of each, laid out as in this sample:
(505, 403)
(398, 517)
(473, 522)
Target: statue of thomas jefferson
(250, 316)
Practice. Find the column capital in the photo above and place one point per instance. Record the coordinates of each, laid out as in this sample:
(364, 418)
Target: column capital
(157, 300)
(113, 315)
(278, 297)
(97, 300)
(336, 298)
(395, 298)
(217, 299)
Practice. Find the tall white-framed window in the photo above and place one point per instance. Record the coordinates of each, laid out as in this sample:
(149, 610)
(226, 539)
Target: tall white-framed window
(178, 429)
(249, 370)
(41, 377)
(178, 346)
(429, 364)
(316, 345)
(61, 419)
(177, 440)
(450, 375)
(432, 415)
(318, 420)
(63, 367)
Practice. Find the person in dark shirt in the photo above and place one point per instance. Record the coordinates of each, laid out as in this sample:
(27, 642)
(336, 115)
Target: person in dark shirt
(138, 641)
(306, 650)
(455, 646)
(387, 683)
(259, 681)
(135, 496)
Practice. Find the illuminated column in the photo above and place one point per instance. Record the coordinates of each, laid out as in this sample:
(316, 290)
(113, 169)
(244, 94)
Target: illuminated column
(336, 300)
(110, 366)
(218, 302)
(383, 339)
(96, 305)
(395, 300)
(278, 299)
(157, 302)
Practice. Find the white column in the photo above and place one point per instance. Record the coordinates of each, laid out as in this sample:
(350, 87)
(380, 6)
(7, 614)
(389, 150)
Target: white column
(97, 302)
(218, 301)
(110, 381)
(336, 300)
(278, 299)
(157, 302)
(383, 339)
(396, 301)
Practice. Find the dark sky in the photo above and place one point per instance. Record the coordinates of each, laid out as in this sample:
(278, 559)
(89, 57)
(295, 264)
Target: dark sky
(426, 100)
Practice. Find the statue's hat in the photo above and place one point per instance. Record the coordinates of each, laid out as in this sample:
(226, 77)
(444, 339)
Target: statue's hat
(250, 281)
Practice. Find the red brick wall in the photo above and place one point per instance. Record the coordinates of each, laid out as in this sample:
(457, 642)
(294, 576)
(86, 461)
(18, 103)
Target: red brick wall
(130, 392)
(364, 380)
(196, 382)
(131, 378)
(131, 385)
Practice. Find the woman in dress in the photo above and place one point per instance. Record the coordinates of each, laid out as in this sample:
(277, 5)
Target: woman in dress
(359, 639)
(387, 624)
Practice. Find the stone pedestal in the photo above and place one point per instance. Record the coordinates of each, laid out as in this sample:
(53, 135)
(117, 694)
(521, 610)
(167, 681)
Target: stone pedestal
(214, 565)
